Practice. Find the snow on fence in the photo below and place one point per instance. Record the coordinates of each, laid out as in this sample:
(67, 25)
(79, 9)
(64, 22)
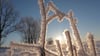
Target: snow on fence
(40, 48)
(79, 50)
(21, 49)
(46, 18)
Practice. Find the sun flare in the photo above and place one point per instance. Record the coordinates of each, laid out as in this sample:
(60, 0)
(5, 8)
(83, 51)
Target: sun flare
(61, 38)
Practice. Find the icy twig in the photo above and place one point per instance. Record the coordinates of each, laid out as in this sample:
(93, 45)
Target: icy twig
(50, 18)
(76, 35)
(56, 11)
(51, 52)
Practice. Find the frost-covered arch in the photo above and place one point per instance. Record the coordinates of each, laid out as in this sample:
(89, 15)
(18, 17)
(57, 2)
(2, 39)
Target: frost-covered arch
(45, 19)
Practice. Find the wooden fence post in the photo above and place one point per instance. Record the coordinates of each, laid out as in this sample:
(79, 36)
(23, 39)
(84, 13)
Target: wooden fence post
(74, 51)
(91, 45)
(59, 48)
(69, 43)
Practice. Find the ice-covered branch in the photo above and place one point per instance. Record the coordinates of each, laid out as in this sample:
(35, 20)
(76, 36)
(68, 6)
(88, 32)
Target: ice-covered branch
(50, 18)
(53, 8)
(43, 22)
(51, 52)
(71, 18)
(75, 32)
(43, 26)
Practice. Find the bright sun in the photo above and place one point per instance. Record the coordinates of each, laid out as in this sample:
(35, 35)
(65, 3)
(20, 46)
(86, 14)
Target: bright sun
(61, 38)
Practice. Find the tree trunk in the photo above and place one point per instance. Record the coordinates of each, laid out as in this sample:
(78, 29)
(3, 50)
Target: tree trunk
(0, 36)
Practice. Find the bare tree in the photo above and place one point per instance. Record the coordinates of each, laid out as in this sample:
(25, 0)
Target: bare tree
(8, 17)
(30, 28)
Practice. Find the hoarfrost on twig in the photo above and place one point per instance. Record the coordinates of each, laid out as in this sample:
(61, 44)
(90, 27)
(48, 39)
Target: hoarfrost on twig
(51, 52)
(75, 32)
(53, 8)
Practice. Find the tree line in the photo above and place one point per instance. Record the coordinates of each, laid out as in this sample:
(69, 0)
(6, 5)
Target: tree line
(9, 22)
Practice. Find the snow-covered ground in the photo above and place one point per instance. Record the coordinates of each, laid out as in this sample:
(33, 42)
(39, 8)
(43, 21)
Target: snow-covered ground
(5, 51)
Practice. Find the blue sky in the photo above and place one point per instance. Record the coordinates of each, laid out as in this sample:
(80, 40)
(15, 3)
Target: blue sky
(86, 11)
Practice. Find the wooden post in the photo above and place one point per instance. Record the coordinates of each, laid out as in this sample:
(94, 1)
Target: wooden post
(59, 48)
(74, 51)
(43, 26)
(91, 45)
(69, 43)
(72, 21)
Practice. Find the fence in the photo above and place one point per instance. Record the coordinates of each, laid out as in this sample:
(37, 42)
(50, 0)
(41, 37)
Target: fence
(23, 49)
(39, 49)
